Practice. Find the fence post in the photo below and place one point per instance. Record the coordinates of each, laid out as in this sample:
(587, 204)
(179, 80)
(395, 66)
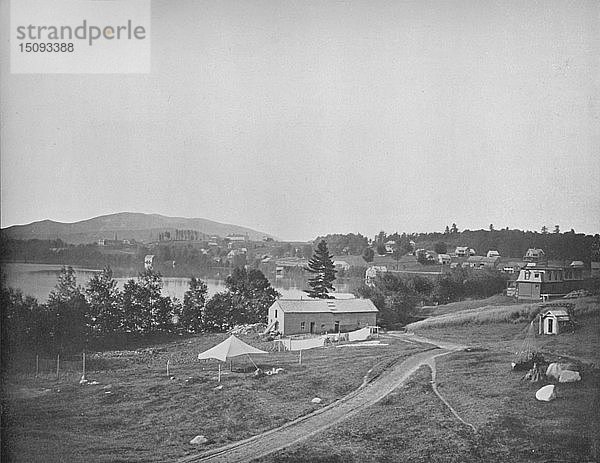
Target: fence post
(300, 358)
(57, 366)
(83, 377)
(37, 365)
(168, 361)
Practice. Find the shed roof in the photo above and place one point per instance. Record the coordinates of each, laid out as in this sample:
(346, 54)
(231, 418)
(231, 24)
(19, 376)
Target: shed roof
(326, 305)
(558, 313)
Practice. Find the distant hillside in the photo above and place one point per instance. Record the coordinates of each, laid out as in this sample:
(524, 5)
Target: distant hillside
(126, 225)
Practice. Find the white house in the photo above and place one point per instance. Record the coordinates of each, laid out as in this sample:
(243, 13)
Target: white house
(493, 253)
(149, 261)
(462, 251)
(444, 259)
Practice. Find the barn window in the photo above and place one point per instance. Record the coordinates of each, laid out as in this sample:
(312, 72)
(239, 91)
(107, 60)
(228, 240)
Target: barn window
(302, 326)
(275, 313)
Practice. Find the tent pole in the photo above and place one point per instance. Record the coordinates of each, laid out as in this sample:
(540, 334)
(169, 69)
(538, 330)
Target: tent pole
(219, 371)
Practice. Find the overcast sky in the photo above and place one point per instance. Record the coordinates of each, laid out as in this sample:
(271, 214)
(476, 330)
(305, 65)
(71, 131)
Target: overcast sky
(306, 118)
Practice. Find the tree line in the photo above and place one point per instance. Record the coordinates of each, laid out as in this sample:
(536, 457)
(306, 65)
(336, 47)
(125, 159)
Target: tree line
(76, 317)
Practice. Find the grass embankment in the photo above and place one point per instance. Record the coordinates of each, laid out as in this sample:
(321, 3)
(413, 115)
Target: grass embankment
(462, 314)
(434, 311)
(412, 424)
(137, 413)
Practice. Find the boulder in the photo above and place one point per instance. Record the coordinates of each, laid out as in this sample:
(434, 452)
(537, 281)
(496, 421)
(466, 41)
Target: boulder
(199, 440)
(568, 376)
(546, 394)
(316, 400)
(554, 369)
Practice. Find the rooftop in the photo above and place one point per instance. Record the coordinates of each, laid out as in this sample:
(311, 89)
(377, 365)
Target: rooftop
(326, 305)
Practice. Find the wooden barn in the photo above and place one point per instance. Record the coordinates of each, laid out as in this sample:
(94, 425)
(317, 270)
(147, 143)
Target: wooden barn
(315, 316)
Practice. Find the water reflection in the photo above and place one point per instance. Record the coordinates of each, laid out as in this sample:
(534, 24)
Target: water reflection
(38, 280)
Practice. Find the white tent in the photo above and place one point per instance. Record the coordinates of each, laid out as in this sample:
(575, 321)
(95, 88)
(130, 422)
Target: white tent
(231, 347)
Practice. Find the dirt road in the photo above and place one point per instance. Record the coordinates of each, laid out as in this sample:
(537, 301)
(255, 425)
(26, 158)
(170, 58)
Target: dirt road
(309, 425)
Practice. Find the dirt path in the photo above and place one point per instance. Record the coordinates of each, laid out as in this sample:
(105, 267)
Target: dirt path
(309, 425)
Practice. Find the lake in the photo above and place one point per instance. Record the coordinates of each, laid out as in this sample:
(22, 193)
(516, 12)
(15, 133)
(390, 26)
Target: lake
(38, 280)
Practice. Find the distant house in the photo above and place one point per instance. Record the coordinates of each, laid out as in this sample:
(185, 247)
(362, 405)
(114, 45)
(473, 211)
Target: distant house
(444, 259)
(348, 261)
(390, 246)
(555, 321)
(595, 269)
(315, 316)
(464, 251)
(149, 262)
(238, 238)
(481, 262)
(341, 265)
(535, 255)
(372, 272)
(492, 253)
(512, 266)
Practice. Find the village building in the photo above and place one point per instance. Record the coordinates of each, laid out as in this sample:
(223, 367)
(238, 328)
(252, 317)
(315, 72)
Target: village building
(464, 251)
(492, 253)
(372, 272)
(316, 316)
(595, 270)
(444, 259)
(149, 262)
(482, 262)
(346, 262)
(541, 283)
(535, 255)
(512, 266)
(390, 246)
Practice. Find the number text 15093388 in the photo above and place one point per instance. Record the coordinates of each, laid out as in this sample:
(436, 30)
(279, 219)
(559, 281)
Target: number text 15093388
(46, 47)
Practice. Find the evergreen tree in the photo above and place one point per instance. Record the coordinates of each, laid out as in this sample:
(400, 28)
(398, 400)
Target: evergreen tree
(321, 266)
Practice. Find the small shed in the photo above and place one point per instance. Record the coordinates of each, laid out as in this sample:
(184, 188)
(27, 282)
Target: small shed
(555, 321)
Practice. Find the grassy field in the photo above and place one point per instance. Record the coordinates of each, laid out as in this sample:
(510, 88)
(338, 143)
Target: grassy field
(413, 425)
(137, 413)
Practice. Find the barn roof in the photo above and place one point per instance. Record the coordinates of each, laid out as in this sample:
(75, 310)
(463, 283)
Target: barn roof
(325, 305)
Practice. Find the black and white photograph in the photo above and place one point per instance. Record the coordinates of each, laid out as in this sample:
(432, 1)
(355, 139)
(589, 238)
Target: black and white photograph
(289, 231)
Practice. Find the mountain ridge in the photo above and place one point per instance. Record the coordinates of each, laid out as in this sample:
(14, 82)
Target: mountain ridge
(126, 225)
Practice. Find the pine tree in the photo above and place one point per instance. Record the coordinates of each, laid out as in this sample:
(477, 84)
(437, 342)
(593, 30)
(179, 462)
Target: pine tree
(321, 266)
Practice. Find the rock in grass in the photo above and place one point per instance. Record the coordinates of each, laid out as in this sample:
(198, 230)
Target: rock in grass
(316, 400)
(568, 376)
(199, 440)
(546, 394)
